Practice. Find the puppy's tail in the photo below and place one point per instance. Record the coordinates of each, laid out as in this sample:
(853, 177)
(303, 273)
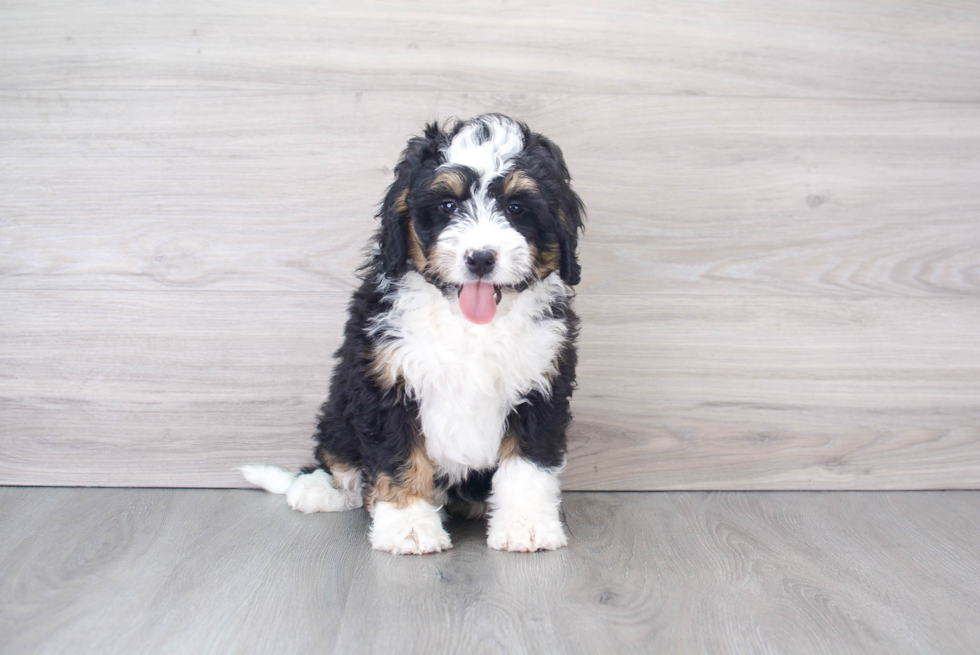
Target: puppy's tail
(271, 478)
(316, 491)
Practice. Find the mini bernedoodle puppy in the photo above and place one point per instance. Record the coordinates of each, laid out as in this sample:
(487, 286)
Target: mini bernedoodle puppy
(453, 383)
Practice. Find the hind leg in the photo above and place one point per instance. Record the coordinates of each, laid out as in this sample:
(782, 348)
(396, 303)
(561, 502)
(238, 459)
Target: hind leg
(312, 491)
(320, 491)
(467, 498)
(316, 490)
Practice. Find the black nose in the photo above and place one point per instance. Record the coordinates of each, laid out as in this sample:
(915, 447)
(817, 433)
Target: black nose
(480, 262)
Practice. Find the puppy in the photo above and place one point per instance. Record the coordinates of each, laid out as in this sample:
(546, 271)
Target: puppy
(452, 386)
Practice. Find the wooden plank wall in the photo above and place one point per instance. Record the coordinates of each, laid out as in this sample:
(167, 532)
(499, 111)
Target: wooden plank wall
(782, 261)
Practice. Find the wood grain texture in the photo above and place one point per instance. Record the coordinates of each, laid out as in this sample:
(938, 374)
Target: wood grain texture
(802, 393)
(118, 571)
(127, 571)
(904, 49)
(260, 191)
(781, 268)
(180, 387)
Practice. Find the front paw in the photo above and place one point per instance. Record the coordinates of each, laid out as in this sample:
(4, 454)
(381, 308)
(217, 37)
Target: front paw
(526, 534)
(415, 541)
(413, 530)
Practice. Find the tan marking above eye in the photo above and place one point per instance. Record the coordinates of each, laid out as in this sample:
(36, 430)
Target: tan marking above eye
(451, 182)
(519, 181)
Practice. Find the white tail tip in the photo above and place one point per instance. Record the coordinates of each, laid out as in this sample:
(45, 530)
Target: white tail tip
(271, 478)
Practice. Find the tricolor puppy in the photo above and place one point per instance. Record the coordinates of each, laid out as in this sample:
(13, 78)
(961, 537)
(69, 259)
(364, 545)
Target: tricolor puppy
(452, 387)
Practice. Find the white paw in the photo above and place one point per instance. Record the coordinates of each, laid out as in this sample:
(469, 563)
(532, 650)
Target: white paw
(314, 492)
(526, 534)
(524, 508)
(413, 530)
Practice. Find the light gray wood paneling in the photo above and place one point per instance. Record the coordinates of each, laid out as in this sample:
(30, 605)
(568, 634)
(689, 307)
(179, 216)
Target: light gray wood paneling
(781, 279)
(122, 571)
(177, 388)
(903, 49)
(259, 191)
(793, 393)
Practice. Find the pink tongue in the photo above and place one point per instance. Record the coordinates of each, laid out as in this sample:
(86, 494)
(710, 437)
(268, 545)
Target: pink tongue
(476, 301)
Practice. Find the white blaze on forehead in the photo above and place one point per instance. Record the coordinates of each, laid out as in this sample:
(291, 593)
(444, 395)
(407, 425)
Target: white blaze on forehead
(490, 157)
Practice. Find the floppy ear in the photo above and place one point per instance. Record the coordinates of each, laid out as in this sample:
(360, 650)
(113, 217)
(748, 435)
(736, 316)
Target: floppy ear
(420, 152)
(570, 212)
(570, 217)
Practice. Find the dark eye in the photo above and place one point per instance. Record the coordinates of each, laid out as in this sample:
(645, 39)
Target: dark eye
(449, 207)
(514, 209)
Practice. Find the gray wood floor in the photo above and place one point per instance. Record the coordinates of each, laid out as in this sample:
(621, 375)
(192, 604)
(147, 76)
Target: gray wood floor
(225, 571)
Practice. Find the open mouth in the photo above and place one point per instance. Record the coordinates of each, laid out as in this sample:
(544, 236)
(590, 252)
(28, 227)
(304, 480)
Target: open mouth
(478, 301)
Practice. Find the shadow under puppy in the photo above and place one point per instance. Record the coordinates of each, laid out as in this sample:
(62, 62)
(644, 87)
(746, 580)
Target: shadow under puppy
(453, 383)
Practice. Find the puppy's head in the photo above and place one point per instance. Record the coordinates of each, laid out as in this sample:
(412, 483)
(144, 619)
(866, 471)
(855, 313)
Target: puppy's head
(480, 209)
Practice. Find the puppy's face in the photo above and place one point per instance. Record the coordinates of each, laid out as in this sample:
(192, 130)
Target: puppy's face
(482, 210)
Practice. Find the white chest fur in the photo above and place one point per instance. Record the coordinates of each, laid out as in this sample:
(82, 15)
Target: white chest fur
(466, 377)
